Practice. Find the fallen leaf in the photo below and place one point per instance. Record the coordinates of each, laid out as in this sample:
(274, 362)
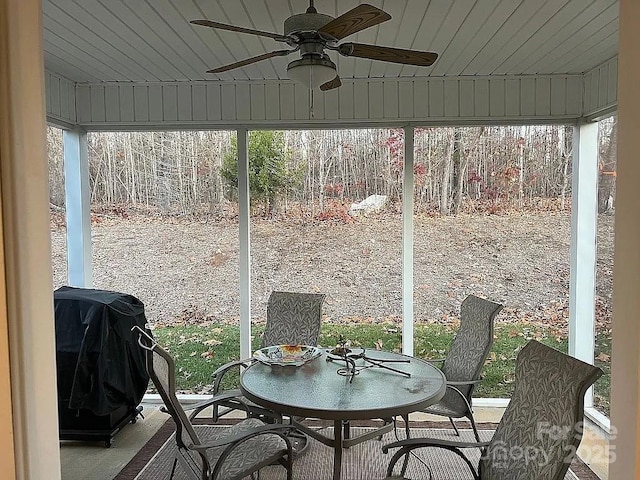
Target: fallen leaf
(603, 357)
(379, 345)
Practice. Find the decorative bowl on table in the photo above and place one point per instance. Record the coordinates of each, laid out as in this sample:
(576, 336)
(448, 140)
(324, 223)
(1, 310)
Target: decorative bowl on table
(293, 355)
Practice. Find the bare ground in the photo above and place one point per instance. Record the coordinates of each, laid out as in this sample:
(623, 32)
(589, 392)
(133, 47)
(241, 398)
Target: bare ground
(187, 269)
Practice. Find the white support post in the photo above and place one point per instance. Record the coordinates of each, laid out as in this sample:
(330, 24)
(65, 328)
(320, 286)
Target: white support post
(78, 213)
(584, 214)
(245, 246)
(407, 243)
(624, 448)
(28, 410)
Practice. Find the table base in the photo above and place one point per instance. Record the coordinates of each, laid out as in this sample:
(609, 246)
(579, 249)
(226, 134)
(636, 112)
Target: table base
(342, 438)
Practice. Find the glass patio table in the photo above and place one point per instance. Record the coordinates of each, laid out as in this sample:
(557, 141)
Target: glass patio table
(316, 390)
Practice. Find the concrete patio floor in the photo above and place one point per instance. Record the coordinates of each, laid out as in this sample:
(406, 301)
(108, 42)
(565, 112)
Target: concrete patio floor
(87, 460)
(82, 461)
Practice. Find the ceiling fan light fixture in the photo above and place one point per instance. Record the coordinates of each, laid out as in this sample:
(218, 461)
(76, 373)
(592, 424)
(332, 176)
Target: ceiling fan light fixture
(311, 33)
(312, 71)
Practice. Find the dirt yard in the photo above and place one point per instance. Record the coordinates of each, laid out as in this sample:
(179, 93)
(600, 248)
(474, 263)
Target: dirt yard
(187, 270)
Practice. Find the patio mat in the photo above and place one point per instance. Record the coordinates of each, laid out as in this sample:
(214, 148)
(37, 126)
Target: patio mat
(361, 462)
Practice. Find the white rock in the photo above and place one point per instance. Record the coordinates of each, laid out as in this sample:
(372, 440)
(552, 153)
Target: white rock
(371, 204)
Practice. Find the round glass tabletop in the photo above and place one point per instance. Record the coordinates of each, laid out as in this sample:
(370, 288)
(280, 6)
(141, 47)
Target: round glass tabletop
(317, 390)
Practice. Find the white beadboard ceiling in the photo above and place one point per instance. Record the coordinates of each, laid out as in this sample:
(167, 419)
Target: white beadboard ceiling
(152, 40)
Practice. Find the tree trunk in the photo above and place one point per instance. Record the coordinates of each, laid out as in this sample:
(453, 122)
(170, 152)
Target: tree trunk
(163, 186)
(607, 173)
(565, 155)
(445, 187)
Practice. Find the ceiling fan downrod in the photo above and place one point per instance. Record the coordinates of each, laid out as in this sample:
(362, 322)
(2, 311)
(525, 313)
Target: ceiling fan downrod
(311, 8)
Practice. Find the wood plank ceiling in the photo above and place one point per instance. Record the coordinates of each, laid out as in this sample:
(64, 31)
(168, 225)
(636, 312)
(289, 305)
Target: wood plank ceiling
(152, 40)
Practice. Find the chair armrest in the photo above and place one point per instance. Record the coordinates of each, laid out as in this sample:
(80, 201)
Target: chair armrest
(229, 443)
(229, 395)
(405, 446)
(434, 360)
(453, 386)
(220, 372)
(213, 400)
(459, 383)
(432, 442)
(277, 429)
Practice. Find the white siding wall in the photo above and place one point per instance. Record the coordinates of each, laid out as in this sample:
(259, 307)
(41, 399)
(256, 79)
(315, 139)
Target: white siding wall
(366, 102)
(438, 100)
(601, 89)
(60, 98)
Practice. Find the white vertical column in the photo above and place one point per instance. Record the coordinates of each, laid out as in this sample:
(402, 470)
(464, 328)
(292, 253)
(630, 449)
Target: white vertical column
(245, 244)
(28, 417)
(77, 203)
(407, 243)
(584, 215)
(625, 357)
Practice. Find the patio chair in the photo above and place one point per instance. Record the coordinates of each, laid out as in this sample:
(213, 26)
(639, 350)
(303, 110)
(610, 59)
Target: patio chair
(293, 318)
(466, 357)
(207, 452)
(540, 430)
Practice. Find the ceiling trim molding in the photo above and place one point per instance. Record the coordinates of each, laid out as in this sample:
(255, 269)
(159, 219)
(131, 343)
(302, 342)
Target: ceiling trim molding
(60, 95)
(463, 100)
(600, 89)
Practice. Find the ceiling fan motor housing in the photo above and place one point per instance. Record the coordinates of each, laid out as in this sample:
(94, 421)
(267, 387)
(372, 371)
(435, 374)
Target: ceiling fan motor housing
(305, 22)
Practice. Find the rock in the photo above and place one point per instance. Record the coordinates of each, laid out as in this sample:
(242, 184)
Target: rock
(371, 204)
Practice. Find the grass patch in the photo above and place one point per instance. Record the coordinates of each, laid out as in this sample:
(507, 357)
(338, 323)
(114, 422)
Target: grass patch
(200, 349)
(602, 387)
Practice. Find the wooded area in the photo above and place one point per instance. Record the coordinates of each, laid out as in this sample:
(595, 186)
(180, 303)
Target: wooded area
(456, 168)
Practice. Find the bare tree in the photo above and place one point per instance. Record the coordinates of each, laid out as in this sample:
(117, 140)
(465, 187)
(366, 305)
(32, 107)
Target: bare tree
(607, 165)
(489, 167)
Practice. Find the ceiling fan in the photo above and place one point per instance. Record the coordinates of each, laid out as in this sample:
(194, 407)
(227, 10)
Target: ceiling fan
(311, 33)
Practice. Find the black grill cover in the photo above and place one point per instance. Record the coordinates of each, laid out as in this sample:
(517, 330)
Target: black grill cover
(100, 365)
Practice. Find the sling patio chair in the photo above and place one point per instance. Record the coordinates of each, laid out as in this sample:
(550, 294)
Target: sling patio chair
(540, 430)
(467, 355)
(293, 318)
(209, 452)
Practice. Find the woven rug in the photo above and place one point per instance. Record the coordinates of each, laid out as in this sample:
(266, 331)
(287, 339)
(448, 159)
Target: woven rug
(360, 462)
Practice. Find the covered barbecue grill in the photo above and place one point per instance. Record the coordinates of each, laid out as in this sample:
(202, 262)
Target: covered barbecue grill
(101, 368)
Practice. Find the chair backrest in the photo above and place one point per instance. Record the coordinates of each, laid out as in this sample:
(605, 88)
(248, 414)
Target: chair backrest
(471, 345)
(161, 370)
(293, 318)
(542, 427)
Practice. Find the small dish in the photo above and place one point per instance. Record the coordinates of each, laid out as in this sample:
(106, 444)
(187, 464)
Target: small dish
(287, 355)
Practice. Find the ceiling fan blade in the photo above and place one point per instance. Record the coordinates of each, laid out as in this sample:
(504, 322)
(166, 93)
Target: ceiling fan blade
(234, 28)
(331, 84)
(388, 54)
(356, 19)
(247, 61)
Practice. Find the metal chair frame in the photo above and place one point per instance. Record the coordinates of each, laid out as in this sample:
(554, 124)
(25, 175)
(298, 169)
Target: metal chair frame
(543, 374)
(189, 445)
(479, 314)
